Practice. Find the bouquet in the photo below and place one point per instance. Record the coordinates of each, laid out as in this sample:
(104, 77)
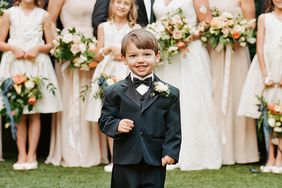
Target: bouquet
(225, 29)
(19, 92)
(173, 33)
(3, 7)
(76, 48)
(271, 115)
(103, 82)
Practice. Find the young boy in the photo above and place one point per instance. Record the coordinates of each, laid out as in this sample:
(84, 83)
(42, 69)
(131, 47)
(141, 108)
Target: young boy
(142, 114)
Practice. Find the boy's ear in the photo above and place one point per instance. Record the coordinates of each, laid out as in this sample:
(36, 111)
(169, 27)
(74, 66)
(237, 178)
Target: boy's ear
(123, 58)
(158, 56)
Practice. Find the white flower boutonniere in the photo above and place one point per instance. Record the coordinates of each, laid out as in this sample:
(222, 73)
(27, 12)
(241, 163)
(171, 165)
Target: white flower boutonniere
(162, 89)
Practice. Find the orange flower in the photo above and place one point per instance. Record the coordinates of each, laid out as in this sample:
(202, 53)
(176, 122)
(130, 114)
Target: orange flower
(270, 107)
(31, 100)
(236, 35)
(181, 45)
(92, 65)
(19, 78)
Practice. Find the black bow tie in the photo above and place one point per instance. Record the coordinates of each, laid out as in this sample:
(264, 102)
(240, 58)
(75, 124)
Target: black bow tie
(137, 82)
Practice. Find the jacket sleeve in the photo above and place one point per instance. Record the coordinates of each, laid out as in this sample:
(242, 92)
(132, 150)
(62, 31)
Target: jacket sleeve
(100, 14)
(109, 121)
(172, 142)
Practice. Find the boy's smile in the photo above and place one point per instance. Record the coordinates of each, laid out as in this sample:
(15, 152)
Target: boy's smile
(141, 61)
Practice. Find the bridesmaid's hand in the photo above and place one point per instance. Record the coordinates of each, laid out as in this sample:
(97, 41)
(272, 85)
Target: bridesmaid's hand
(19, 53)
(167, 160)
(32, 53)
(268, 83)
(280, 83)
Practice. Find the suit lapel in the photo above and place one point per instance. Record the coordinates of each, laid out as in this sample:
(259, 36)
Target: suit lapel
(131, 92)
(150, 98)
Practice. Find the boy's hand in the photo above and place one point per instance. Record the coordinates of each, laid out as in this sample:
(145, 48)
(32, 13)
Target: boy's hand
(167, 160)
(125, 126)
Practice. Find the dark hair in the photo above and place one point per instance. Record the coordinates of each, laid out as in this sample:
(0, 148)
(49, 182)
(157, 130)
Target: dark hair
(38, 3)
(132, 15)
(268, 6)
(142, 39)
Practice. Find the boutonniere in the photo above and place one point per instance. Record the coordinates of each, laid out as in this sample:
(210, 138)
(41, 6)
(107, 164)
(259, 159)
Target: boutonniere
(161, 88)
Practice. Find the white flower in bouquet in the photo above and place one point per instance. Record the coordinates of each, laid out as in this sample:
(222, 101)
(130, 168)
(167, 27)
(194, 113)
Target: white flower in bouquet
(84, 67)
(227, 15)
(29, 84)
(271, 122)
(278, 124)
(82, 48)
(67, 38)
(176, 19)
(277, 129)
(177, 34)
(277, 108)
(76, 39)
(161, 87)
(75, 48)
(251, 40)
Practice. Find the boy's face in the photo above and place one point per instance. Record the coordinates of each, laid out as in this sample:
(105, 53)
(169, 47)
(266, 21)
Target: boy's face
(140, 61)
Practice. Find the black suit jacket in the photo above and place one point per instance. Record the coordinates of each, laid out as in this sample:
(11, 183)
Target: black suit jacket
(156, 131)
(100, 14)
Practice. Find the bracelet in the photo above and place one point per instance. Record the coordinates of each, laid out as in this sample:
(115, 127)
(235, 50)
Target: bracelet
(101, 51)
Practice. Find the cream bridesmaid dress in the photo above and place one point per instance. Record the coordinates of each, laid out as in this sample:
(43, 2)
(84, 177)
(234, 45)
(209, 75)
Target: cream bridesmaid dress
(75, 142)
(239, 132)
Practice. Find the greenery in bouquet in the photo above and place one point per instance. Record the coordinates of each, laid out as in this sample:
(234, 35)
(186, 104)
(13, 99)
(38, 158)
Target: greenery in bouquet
(103, 82)
(173, 33)
(3, 7)
(271, 115)
(19, 92)
(225, 29)
(72, 46)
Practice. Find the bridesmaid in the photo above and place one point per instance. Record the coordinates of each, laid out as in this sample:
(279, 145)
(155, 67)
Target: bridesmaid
(239, 132)
(74, 141)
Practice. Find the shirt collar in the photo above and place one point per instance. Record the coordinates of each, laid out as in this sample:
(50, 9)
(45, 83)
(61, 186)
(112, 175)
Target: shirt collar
(132, 75)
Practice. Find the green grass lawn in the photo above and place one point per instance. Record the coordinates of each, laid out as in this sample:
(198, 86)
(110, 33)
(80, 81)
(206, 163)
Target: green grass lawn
(237, 176)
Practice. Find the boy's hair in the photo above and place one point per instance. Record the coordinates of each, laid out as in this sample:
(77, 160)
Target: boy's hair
(268, 6)
(142, 39)
(38, 3)
(132, 15)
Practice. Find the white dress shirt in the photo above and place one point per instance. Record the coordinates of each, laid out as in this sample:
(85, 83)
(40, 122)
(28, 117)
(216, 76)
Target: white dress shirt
(148, 6)
(142, 89)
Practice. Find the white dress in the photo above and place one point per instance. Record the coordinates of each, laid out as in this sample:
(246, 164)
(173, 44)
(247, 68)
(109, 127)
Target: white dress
(254, 85)
(107, 66)
(201, 142)
(26, 32)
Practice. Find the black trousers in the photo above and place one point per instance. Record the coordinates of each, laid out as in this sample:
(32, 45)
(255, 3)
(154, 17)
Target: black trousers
(139, 175)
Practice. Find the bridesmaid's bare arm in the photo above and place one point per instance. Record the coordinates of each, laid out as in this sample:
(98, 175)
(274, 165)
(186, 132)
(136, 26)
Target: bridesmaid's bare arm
(202, 9)
(54, 8)
(248, 9)
(100, 44)
(260, 43)
(4, 31)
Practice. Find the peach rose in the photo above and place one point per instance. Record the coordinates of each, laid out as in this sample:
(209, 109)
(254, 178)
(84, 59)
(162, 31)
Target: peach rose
(92, 65)
(19, 78)
(31, 100)
(236, 35)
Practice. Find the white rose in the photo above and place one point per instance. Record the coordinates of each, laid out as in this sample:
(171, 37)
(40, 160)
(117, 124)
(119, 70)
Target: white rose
(67, 38)
(75, 48)
(278, 124)
(226, 15)
(251, 40)
(243, 44)
(83, 58)
(76, 39)
(29, 84)
(277, 129)
(271, 122)
(82, 48)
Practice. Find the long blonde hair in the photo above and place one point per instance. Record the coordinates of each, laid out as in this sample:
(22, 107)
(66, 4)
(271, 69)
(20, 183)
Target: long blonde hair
(132, 15)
